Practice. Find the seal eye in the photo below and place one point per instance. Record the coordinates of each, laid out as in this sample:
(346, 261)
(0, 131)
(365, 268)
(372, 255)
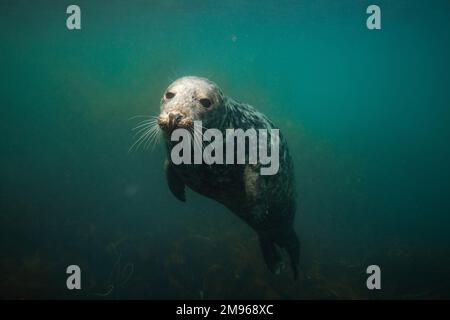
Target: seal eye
(170, 95)
(206, 103)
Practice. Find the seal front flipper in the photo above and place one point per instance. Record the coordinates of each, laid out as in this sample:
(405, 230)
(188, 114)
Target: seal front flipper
(175, 184)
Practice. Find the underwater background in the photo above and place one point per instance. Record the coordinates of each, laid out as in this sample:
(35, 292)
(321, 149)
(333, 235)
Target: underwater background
(366, 115)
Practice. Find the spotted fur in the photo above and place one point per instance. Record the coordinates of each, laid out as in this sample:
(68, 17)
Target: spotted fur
(265, 202)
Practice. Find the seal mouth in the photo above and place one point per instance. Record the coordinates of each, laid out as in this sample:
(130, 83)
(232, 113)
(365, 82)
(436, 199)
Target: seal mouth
(172, 122)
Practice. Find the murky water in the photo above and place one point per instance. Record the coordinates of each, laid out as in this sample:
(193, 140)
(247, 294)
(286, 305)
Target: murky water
(366, 115)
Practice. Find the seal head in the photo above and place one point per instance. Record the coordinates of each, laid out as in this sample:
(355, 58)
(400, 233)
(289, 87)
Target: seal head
(190, 99)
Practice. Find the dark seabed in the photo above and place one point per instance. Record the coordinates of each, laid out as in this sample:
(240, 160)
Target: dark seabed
(366, 115)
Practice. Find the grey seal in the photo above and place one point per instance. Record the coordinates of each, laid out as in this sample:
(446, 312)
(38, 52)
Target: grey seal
(267, 203)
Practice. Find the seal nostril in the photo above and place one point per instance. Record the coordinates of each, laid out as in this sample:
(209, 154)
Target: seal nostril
(174, 119)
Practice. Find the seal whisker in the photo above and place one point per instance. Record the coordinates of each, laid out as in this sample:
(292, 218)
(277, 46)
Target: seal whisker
(153, 138)
(140, 116)
(145, 139)
(149, 137)
(147, 121)
(157, 137)
(193, 130)
(201, 133)
(138, 142)
(142, 125)
(141, 130)
(152, 135)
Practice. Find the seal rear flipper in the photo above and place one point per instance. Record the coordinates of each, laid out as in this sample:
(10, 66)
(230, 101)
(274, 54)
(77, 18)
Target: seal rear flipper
(176, 186)
(290, 243)
(271, 254)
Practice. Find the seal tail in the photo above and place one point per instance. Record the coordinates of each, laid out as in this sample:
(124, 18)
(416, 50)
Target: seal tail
(270, 248)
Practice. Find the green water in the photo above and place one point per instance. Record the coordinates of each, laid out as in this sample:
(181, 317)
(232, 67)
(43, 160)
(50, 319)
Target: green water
(366, 115)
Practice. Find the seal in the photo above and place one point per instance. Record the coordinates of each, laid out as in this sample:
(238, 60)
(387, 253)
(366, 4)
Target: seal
(265, 202)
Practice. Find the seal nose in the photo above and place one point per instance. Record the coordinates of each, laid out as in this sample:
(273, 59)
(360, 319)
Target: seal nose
(174, 119)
